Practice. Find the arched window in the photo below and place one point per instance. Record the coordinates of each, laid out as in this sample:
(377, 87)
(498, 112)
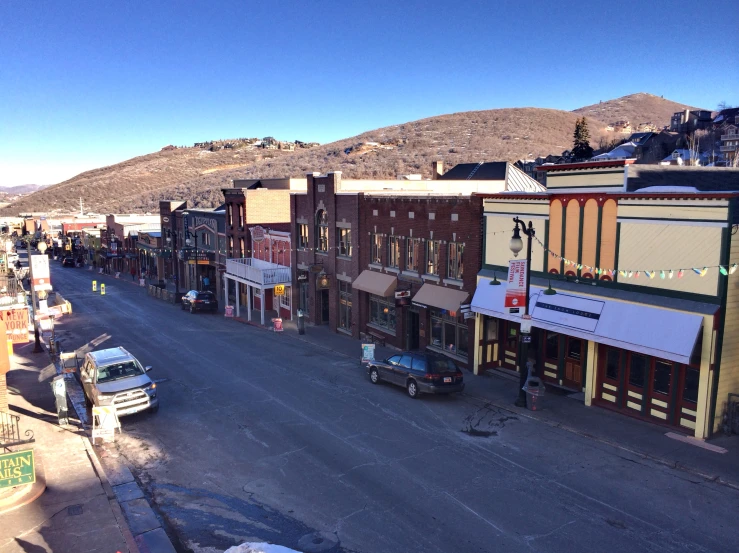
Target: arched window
(322, 231)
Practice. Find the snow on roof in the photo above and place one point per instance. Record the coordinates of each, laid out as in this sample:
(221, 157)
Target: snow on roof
(669, 189)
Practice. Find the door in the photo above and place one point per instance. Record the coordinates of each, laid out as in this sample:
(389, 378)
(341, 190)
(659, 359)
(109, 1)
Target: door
(551, 342)
(411, 329)
(387, 371)
(489, 343)
(574, 353)
(610, 366)
(687, 397)
(324, 307)
(661, 384)
(637, 371)
(402, 369)
(509, 339)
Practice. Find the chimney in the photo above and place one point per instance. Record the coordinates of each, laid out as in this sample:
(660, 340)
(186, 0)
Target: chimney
(437, 169)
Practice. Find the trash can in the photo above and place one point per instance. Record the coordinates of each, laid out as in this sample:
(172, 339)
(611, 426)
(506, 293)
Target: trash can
(59, 387)
(301, 322)
(534, 394)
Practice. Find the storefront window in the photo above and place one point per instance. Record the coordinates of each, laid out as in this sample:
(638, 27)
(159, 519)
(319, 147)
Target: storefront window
(491, 329)
(345, 305)
(551, 348)
(662, 377)
(690, 391)
(449, 333)
(613, 363)
(637, 370)
(285, 299)
(574, 348)
(382, 312)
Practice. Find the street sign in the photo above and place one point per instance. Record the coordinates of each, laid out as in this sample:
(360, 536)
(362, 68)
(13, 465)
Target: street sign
(279, 290)
(368, 353)
(17, 468)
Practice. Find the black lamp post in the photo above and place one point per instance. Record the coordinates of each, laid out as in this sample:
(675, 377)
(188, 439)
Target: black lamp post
(516, 246)
(190, 242)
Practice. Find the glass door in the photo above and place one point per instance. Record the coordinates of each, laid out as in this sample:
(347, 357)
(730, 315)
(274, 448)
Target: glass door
(509, 357)
(660, 387)
(550, 359)
(687, 397)
(636, 377)
(574, 353)
(489, 342)
(609, 377)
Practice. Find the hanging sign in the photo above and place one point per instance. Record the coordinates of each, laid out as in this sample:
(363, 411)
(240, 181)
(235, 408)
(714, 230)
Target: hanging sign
(257, 234)
(16, 324)
(515, 294)
(279, 289)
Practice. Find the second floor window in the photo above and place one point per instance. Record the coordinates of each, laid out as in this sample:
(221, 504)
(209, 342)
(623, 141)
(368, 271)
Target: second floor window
(241, 215)
(302, 233)
(230, 212)
(456, 262)
(322, 231)
(393, 252)
(242, 248)
(432, 257)
(413, 254)
(376, 249)
(345, 242)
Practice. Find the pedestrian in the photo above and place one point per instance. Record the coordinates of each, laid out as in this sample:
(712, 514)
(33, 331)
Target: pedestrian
(133, 273)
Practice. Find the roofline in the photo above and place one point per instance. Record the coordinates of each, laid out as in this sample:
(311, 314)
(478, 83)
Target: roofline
(587, 165)
(615, 195)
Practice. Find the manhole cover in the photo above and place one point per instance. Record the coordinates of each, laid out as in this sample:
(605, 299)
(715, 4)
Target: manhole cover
(73, 510)
(317, 542)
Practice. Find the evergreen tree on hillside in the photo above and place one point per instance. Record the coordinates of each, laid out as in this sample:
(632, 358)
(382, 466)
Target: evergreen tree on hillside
(581, 149)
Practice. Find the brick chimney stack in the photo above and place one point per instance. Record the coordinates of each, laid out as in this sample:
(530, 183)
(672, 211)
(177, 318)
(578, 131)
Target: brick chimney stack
(437, 169)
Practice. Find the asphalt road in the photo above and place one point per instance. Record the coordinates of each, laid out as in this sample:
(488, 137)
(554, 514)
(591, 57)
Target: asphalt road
(262, 437)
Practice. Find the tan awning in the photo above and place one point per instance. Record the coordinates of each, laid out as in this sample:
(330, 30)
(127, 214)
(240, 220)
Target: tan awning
(438, 296)
(376, 283)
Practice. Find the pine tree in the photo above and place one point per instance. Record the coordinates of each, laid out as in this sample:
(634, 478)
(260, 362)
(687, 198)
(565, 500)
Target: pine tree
(581, 145)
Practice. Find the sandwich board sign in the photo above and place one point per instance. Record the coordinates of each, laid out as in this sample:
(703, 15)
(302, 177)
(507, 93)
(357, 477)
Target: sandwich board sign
(104, 422)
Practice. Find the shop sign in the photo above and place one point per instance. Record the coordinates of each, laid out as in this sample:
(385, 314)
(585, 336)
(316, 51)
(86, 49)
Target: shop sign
(209, 222)
(40, 270)
(469, 315)
(257, 234)
(323, 282)
(279, 289)
(104, 422)
(302, 276)
(17, 468)
(277, 324)
(515, 294)
(16, 324)
(368, 353)
(402, 298)
(316, 268)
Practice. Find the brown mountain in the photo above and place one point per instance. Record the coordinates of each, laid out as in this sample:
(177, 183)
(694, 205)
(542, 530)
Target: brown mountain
(635, 108)
(198, 174)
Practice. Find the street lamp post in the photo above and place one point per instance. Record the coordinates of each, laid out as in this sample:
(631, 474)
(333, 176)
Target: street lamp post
(37, 339)
(516, 246)
(189, 243)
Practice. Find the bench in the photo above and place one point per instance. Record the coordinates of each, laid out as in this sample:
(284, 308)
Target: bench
(376, 337)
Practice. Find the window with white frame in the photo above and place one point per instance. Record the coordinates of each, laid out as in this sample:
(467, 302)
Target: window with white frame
(393, 252)
(376, 254)
(456, 262)
(432, 257)
(344, 237)
(413, 254)
(285, 299)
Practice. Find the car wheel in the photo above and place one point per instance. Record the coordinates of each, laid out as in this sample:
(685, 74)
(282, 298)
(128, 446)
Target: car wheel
(155, 409)
(413, 389)
(374, 376)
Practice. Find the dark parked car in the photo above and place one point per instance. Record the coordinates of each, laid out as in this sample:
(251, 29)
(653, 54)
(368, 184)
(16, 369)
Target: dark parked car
(68, 262)
(428, 373)
(199, 301)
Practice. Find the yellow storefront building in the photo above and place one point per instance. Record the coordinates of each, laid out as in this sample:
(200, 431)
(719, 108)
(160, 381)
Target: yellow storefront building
(633, 298)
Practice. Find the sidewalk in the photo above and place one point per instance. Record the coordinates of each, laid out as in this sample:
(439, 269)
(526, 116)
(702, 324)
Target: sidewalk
(77, 512)
(567, 413)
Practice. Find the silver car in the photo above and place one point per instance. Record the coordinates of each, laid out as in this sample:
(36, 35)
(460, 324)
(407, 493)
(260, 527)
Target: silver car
(115, 377)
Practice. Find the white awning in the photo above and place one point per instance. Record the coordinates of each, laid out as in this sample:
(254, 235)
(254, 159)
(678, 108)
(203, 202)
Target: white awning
(663, 333)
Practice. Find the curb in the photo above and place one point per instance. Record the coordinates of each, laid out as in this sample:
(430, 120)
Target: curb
(25, 496)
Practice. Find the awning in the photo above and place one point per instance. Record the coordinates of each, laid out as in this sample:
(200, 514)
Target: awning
(438, 296)
(376, 283)
(664, 333)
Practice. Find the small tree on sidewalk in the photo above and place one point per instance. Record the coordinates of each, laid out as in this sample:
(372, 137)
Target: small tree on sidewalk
(581, 149)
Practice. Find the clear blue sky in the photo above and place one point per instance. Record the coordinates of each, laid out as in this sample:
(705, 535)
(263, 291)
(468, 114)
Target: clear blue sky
(89, 83)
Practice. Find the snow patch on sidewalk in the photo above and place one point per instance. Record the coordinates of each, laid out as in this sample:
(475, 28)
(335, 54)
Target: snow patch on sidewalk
(259, 548)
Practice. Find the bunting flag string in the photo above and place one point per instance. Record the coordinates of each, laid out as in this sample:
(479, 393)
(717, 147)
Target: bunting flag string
(702, 271)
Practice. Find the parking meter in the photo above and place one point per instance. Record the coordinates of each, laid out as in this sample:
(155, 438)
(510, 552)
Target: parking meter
(59, 387)
(301, 322)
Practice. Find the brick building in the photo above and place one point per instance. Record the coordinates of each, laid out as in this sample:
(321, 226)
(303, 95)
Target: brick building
(393, 261)
(257, 235)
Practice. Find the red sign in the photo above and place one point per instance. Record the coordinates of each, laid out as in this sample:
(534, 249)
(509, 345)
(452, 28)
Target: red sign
(16, 324)
(277, 324)
(515, 294)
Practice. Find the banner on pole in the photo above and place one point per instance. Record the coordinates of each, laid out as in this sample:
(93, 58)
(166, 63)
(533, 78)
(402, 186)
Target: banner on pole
(515, 294)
